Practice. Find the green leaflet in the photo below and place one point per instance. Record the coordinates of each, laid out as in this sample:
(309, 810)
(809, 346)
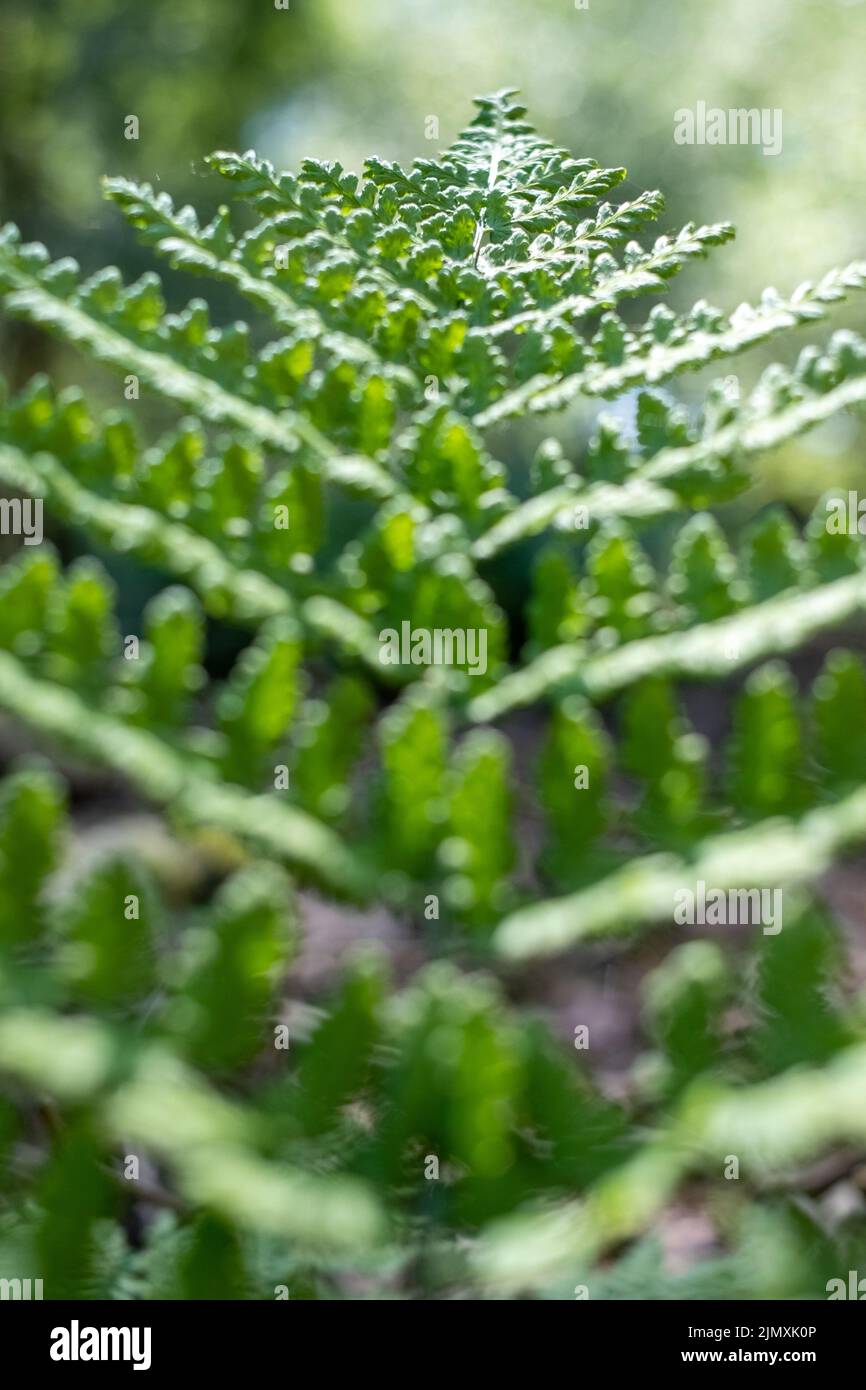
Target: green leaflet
(773, 556)
(80, 636)
(329, 741)
(573, 776)
(703, 572)
(212, 1266)
(668, 757)
(554, 612)
(479, 852)
(257, 703)
(31, 812)
(65, 1233)
(684, 999)
(412, 790)
(108, 937)
(798, 1022)
(337, 1060)
(233, 966)
(169, 672)
(766, 755)
(839, 715)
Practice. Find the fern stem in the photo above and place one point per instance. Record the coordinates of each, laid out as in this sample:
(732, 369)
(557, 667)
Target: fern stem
(768, 854)
(166, 777)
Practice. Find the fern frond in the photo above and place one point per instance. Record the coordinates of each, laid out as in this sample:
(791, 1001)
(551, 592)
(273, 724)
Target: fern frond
(669, 344)
(781, 407)
(327, 481)
(172, 780)
(697, 644)
(202, 1136)
(776, 1123)
(767, 854)
(180, 358)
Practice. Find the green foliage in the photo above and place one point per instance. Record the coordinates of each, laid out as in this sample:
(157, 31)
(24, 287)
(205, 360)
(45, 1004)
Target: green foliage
(337, 1060)
(575, 757)
(684, 1000)
(800, 1024)
(480, 849)
(31, 808)
(232, 969)
(108, 938)
(330, 480)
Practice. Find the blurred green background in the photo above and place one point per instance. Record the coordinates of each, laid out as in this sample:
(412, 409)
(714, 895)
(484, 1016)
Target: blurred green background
(344, 78)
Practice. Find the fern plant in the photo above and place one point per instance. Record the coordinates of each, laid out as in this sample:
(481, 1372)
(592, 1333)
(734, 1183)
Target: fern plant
(331, 488)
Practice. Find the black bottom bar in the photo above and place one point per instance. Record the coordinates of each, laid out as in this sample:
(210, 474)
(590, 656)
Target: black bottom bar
(85, 1339)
